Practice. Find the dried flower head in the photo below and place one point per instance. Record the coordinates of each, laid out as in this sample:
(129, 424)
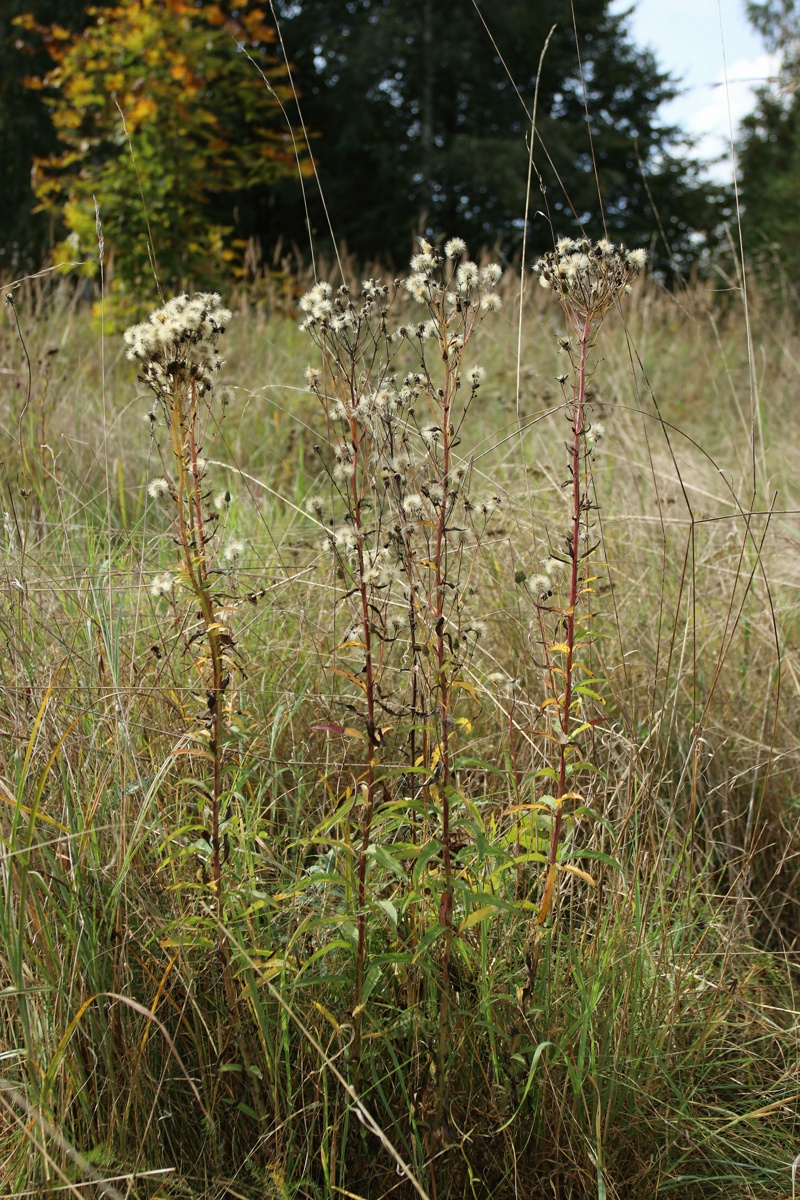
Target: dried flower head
(554, 567)
(233, 552)
(467, 275)
(594, 434)
(414, 507)
(588, 278)
(157, 488)
(541, 587)
(162, 585)
(178, 345)
(455, 248)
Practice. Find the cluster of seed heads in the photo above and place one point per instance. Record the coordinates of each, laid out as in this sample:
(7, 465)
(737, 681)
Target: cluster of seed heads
(337, 311)
(588, 277)
(177, 347)
(465, 285)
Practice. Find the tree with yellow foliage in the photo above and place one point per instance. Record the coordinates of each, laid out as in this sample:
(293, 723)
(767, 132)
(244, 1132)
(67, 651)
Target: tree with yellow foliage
(169, 114)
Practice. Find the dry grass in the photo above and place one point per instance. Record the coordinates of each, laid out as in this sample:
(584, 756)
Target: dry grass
(651, 1050)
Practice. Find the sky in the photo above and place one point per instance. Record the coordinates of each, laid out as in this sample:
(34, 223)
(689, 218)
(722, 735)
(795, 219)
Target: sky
(687, 37)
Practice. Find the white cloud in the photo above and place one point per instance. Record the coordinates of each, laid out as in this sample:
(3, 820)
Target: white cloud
(692, 39)
(709, 111)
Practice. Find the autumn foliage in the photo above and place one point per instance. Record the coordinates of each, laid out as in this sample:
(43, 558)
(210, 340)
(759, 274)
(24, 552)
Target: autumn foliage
(164, 112)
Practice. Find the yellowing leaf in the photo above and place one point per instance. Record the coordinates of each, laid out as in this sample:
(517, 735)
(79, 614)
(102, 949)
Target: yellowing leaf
(467, 687)
(347, 675)
(475, 918)
(547, 898)
(577, 871)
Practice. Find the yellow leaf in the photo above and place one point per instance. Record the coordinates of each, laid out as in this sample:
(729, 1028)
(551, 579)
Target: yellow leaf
(467, 687)
(562, 646)
(518, 808)
(352, 678)
(577, 871)
(327, 1014)
(547, 898)
(480, 914)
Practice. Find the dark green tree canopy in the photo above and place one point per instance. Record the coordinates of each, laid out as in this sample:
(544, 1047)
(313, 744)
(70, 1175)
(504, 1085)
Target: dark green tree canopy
(26, 130)
(423, 124)
(419, 118)
(769, 158)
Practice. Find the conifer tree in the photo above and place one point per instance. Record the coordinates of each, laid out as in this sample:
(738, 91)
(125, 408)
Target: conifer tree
(423, 124)
(25, 129)
(769, 159)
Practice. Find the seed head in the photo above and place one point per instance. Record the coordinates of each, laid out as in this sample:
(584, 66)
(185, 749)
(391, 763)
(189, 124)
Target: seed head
(157, 488)
(233, 552)
(414, 507)
(178, 345)
(455, 248)
(162, 585)
(554, 567)
(588, 278)
(541, 588)
(594, 434)
(467, 275)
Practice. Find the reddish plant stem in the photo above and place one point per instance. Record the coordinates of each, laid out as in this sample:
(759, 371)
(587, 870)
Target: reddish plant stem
(369, 685)
(512, 750)
(444, 688)
(184, 448)
(565, 708)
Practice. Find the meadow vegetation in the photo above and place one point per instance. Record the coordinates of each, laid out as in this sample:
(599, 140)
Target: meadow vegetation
(315, 878)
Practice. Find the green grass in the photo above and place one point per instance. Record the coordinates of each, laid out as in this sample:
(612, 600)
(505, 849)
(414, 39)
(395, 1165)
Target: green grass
(650, 1047)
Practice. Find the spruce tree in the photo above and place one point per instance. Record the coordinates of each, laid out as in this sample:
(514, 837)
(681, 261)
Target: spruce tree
(26, 129)
(422, 125)
(769, 157)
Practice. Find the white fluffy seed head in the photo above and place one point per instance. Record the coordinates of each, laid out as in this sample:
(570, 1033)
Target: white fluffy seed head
(157, 488)
(233, 552)
(455, 248)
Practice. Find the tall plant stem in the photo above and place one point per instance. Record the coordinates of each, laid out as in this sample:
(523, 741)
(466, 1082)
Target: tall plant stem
(444, 683)
(193, 542)
(565, 707)
(369, 807)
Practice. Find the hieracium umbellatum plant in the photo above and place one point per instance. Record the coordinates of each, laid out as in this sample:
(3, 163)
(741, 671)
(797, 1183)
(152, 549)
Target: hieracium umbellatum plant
(587, 280)
(402, 523)
(179, 362)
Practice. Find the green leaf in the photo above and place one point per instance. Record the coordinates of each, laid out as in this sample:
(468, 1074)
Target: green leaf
(389, 909)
